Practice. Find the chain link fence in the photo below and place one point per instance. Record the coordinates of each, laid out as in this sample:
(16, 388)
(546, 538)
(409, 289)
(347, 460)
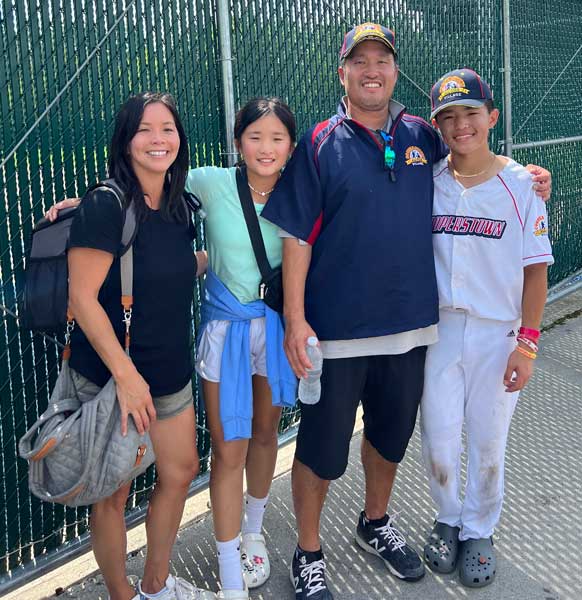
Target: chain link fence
(67, 66)
(546, 71)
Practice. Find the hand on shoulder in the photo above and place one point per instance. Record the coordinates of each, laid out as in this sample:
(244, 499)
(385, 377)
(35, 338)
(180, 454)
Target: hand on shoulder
(53, 212)
(542, 181)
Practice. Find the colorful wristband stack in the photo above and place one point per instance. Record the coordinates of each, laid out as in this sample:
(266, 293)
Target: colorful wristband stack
(528, 337)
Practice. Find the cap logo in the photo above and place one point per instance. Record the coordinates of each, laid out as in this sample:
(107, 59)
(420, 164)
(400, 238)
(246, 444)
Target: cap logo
(415, 156)
(368, 29)
(452, 85)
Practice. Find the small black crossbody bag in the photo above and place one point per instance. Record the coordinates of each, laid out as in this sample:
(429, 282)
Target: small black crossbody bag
(271, 286)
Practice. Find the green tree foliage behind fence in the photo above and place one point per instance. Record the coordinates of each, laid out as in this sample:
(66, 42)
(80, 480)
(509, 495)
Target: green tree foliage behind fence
(67, 65)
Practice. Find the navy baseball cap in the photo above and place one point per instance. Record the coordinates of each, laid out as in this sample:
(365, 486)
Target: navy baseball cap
(367, 31)
(461, 87)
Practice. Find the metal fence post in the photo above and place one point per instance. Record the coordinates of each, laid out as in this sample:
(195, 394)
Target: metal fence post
(227, 80)
(508, 133)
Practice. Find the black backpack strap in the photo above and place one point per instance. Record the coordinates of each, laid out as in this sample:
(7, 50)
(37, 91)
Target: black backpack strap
(252, 221)
(129, 215)
(192, 202)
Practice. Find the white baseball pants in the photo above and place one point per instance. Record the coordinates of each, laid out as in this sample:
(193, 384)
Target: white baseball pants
(464, 385)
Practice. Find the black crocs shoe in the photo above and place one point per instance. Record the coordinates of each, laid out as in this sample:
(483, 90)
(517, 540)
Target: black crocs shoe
(308, 576)
(381, 538)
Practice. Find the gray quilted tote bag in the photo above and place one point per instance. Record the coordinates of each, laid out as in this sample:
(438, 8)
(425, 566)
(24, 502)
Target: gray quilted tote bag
(76, 453)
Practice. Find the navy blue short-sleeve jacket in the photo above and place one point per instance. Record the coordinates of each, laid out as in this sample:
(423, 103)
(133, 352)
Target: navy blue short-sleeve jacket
(372, 268)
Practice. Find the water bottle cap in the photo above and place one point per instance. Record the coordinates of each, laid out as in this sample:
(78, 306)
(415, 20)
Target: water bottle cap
(312, 341)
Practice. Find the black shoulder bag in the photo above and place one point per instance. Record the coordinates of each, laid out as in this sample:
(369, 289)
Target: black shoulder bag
(271, 286)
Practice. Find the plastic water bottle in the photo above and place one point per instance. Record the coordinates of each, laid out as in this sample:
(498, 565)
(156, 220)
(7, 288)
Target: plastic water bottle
(310, 387)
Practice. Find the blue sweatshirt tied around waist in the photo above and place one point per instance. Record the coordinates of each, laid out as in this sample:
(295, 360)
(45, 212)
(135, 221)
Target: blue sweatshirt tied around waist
(236, 390)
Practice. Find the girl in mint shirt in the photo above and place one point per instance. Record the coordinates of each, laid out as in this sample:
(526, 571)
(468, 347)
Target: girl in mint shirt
(243, 399)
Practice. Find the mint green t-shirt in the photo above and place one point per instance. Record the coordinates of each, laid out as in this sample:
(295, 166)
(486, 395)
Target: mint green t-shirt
(230, 253)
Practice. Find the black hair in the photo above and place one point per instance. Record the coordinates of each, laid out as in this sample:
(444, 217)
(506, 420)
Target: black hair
(490, 106)
(120, 168)
(258, 107)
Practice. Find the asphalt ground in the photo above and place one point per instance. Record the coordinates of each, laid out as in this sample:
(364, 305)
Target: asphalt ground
(537, 540)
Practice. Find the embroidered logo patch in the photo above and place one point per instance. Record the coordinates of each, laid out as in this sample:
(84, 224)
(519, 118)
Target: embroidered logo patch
(415, 156)
(540, 227)
(452, 85)
(368, 29)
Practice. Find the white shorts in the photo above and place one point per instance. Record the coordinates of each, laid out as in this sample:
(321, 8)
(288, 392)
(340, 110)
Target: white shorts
(209, 356)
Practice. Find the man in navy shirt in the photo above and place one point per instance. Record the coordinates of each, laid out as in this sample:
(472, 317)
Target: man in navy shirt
(355, 206)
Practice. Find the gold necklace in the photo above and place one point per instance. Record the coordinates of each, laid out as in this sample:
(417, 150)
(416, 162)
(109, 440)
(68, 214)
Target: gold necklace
(262, 194)
(457, 174)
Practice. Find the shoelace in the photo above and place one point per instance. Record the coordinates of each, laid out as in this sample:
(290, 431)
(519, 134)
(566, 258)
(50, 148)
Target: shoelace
(185, 590)
(392, 535)
(313, 572)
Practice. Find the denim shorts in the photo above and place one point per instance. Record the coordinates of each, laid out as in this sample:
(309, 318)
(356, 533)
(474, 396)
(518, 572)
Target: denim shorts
(166, 406)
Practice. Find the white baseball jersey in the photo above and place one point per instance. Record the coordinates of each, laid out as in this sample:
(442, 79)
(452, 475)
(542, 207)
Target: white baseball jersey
(483, 237)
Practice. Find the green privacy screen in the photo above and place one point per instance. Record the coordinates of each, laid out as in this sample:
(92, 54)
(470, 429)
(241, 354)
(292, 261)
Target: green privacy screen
(67, 66)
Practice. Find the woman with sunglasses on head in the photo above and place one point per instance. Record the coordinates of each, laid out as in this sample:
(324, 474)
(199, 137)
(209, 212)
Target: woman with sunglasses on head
(245, 375)
(148, 158)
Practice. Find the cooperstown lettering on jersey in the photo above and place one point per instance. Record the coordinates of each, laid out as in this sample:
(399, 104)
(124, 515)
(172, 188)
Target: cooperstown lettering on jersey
(466, 225)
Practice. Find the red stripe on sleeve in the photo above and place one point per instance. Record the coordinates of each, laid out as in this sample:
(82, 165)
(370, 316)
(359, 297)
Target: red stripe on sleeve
(318, 128)
(315, 231)
(536, 256)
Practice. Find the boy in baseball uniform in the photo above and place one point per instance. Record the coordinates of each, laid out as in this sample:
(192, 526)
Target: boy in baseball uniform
(491, 246)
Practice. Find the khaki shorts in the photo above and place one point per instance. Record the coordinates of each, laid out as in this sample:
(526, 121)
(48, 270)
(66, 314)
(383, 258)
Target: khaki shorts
(166, 406)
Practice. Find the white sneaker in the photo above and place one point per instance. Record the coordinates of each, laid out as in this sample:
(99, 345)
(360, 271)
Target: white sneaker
(177, 588)
(254, 559)
(233, 595)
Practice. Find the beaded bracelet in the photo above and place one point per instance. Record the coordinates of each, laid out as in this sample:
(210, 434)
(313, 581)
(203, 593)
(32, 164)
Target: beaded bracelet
(525, 352)
(532, 334)
(527, 342)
